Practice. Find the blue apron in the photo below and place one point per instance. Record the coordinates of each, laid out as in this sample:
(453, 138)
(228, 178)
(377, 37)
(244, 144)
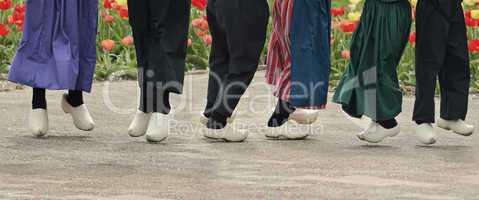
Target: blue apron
(58, 48)
(310, 49)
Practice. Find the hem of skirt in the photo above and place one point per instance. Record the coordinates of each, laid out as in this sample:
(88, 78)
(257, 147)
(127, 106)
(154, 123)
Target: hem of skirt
(87, 90)
(359, 115)
(154, 111)
(310, 107)
(319, 107)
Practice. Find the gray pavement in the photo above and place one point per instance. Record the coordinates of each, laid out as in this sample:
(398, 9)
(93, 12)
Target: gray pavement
(107, 164)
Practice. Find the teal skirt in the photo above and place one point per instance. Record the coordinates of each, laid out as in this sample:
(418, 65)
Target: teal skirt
(370, 85)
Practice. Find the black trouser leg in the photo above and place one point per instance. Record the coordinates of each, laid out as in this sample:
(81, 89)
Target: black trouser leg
(244, 24)
(441, 50)
(219, 60)
(39, 100)
(281, 113)
(388, 124)
(424, 106)
(235, 86)
(153, 99)
(160, 31)
(454, 77)
(431, 47)
(75, 98)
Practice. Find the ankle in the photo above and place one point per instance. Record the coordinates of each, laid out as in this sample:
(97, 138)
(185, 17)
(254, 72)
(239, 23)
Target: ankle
(75, 98)
(420, 122)
(39, 100)
(277, 120)
(388, 124)
(217, 121)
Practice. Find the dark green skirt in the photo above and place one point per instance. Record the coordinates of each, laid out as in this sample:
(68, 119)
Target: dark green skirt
(370, 85)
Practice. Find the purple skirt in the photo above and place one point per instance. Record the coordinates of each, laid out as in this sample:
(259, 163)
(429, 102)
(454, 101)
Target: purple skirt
(58, 48)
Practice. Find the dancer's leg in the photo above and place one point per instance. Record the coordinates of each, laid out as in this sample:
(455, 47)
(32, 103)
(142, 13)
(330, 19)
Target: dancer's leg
(454, 78)
(388, 124)
(281, 113)
(245, 37)
(39, 100)
(219, 59)
(39, 116)
(75, 98)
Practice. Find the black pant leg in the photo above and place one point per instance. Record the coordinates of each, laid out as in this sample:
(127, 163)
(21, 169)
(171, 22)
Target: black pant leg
(219, 58)
(245, 23)
(167, 43)
(138, 18)
(160, 30)
(235, 85)
(39, 100)
(455, 75)
(431, 29)
(141, 23)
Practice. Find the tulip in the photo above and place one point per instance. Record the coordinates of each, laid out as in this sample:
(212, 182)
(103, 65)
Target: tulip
(108, 18)
(413, 2)
(123, 12)
(107, 4)
(473, 46)
(4, 30)
(337, 12)
(204, 25)
(199, 4)
(201, 33)
(354, 16)
(470, 22)
(196, 22)
(122, 2)
(346, 54)
(108, 45)
(208, 39)
(475, 14)
(412, 37)
(469, 2)
(347, 26)
(127, 41)
(354, 2)
(5, 4)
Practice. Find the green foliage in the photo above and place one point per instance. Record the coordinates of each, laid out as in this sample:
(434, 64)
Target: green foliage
(121, 59)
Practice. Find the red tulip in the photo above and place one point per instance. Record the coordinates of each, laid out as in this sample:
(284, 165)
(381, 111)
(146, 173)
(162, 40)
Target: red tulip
(108, 18)
(4, 30)
(346, 54)
(201, 33)
(127, 41)
(336, 12)
(5, 4)
(107, 4)
(474, 46)
(208, 39)
(204, 25)
(108, 45)
(199, 4)
(412, 37)
(467, 14)
(347, 26)
(122, 11)
(470, 22)
(196, 22)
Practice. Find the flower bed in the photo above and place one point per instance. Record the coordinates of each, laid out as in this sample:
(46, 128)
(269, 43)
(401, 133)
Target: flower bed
(116, 51)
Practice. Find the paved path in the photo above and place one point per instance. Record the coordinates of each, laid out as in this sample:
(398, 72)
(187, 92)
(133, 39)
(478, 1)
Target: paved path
(107, 164)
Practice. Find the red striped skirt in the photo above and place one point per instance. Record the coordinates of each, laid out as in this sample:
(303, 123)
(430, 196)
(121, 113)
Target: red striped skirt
(278, 73)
